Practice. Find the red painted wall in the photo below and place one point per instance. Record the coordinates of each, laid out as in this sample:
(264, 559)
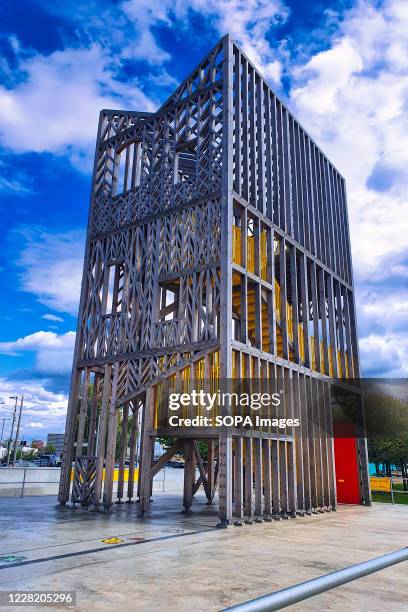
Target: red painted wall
(347, 476)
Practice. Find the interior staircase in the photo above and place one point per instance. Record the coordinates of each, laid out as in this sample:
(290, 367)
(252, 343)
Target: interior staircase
(236, 305)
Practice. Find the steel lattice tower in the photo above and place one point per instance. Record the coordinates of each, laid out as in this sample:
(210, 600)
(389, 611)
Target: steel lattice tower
(218, 247)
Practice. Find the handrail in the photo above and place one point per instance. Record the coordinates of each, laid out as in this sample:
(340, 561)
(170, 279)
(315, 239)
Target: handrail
(310, 588)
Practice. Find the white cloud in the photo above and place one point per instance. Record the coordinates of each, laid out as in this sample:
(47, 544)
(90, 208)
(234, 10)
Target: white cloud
(35, 425)
(384, 356)
(51, 267)
(42, 409)
(52, 317)
(248, 21)
(55, 107)
(353, 98)
(53, 351)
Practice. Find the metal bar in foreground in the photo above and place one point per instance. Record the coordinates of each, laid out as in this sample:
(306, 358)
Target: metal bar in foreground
(310, 588)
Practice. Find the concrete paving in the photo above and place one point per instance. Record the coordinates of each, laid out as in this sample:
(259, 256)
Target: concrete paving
(181, 563)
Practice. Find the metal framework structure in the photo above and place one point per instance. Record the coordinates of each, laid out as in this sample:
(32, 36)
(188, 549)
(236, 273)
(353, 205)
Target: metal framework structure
(218, 247)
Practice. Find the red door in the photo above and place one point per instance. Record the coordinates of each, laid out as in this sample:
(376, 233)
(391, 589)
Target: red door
(347, 476)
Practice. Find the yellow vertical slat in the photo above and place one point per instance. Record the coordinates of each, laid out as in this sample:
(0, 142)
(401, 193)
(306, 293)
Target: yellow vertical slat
(322, 362)
(312, 350)
(264, 257)
(340, 372)
(330, 361)
(289, 320)
(157, 397)
(277, 299)
(236, 245)
(214, 376)
(301, 341)
(251, 254)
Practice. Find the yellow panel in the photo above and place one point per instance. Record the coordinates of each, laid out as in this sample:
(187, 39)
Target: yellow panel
(251, 254)
(115, 474)
(264, 256)
(236, 245)
(380, 484)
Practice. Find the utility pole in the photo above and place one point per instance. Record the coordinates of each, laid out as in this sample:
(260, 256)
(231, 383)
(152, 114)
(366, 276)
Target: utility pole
(15, 397)
(18, 430)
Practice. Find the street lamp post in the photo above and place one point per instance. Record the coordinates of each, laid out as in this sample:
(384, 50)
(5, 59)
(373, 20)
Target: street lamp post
(18, 430)
(14, 397)
(4, 419)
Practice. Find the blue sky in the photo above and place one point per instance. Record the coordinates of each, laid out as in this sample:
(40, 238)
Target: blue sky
(342, 67)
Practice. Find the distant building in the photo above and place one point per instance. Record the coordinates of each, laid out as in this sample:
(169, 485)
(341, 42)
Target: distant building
(56, 440)
(38, 444)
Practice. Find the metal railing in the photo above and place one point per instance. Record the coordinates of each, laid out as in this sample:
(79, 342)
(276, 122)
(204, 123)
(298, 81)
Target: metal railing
(20, 481)
(35, 486)
(387, 484)
(398, 480)
(310, 588)
(160, 481)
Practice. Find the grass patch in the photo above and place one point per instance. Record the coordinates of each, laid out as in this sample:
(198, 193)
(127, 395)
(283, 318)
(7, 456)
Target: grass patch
(399, 498)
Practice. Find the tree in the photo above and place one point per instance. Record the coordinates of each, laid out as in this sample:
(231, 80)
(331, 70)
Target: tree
(119, 434)
(30, 455)
(167, 442)
(390, 451)
(49, 449)
(379, 450)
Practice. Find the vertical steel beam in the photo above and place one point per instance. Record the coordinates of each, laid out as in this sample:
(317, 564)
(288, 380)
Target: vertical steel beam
(225, 439)
(238, 478)
(145, 480)
(258, 477)
(249, 471)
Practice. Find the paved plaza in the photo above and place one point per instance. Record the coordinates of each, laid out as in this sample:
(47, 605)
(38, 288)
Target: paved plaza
(182, 563)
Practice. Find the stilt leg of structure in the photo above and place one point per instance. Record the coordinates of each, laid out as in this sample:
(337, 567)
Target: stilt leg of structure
(133, 446)
(249, 470)
(103, 424)
(82, 413)
(291, 451)
(332, 470)
(146, 462)
(123, 449)
(258, 479)
(364, 472)
(68, 452)
(275, 479)
(238, 479)
(111, 445)
(267, 482)
(203, 479)
(211, 469)
(189, 473)
(92, 429)
(225, 478)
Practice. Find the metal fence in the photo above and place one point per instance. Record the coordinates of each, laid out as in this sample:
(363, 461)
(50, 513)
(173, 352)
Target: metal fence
(398, 481)
(390, 485)
(27, 481)
(21, 481)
